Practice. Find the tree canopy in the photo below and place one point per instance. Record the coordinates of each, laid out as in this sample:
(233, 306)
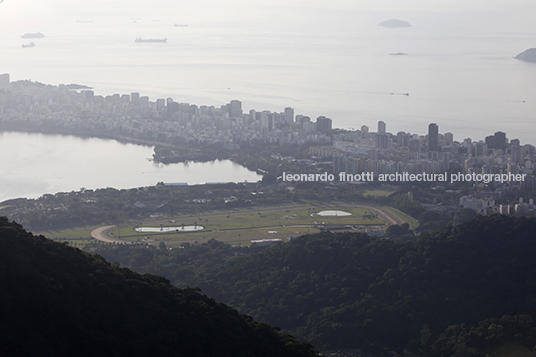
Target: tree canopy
(59, 301)
(349, 290)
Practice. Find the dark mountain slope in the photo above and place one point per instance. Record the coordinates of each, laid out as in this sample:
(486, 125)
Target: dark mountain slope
(58, 301)
(339, 290)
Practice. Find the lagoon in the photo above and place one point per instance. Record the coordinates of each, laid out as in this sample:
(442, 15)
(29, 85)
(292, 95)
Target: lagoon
(33, 164)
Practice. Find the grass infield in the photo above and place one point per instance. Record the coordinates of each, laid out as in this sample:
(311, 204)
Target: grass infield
(240, 226)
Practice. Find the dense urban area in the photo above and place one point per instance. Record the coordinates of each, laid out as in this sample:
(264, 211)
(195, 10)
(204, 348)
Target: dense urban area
(499, 171)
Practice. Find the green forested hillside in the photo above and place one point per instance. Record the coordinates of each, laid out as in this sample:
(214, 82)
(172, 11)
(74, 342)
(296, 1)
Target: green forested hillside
(351, 290)
(59, 301)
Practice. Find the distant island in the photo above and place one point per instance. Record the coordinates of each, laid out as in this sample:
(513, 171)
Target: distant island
(528, 55)
(394, 23)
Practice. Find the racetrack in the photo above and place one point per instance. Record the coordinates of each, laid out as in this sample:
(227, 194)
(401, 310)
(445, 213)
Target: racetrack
(104, 234)
(257, 227)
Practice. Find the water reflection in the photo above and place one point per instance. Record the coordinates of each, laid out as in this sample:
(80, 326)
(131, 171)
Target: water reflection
(34, 164)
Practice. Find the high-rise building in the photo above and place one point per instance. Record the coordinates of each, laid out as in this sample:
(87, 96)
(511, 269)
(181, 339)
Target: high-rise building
(381, 127)
(184, 107)
(364, 129)
(192, 109)
(267, 120)
(479, 149)
(289, 115)
(490, 141)
(402, 139)
(433, 137)
(500, 140)
(309, 126)
(160, 104)
(339, 162)
(234, 108)
(301, 119)
(135, 98)
(449, 138)
(497, 141)
(89, 95)
(517, 154)
(323, 124)
(4, 79)
(171, 107)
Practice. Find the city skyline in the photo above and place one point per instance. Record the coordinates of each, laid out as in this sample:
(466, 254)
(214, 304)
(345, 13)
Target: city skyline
(168, 106)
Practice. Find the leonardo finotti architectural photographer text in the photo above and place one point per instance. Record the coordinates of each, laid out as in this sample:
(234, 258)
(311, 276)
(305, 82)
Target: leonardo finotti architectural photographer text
(404, 177)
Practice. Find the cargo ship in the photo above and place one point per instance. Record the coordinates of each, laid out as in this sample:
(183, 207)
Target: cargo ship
(33, 35)
(139, 39)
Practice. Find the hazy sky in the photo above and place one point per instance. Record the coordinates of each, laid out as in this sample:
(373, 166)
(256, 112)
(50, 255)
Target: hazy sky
(42, 11)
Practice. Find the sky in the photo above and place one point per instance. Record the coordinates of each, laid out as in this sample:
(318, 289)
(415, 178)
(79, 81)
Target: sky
(42, 11)
(20, 16)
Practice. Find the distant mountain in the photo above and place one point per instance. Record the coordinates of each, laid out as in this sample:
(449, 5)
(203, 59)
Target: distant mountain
(56, 300)
(394, 23)
(528, 55)
(77, 86)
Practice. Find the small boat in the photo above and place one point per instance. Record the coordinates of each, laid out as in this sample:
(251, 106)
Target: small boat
(31, 44)
(180, 25)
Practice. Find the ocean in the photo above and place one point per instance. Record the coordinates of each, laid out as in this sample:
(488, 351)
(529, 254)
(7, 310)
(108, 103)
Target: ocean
(321, 58)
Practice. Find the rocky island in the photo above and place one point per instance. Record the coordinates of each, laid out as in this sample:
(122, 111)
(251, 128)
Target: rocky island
(393, 23)
(528, 55)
